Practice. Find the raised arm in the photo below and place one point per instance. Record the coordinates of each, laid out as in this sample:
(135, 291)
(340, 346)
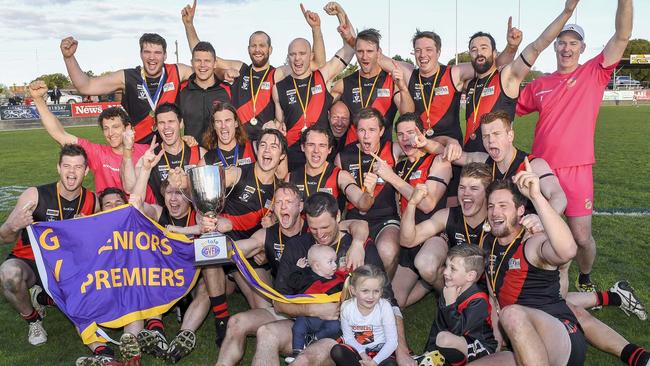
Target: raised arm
(335, 9)
(127, 169)
(516, 71)
(402, 97)
(313, 20)
(360, 198)
(616, 45)
(86, 85)
(549, 185)
(148, 161)
(558, 246)
(52, 125)
(342, 57)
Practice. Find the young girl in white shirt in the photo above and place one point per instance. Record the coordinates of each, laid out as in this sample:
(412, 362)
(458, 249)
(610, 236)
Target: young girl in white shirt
(367, 322)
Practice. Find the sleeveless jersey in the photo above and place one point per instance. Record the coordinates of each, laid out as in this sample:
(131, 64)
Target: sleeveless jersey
(515, 167)
(48, 209)
(135, 101)
(385, 206)
(484, 95)
(245, 156)
(415, 173)
(377, 92)
(240, 95)
(320, 101)
(455, 229)
(443, 117)
(519, 282)
(190, 158)
(246, 205)
(185, 221)
(328, 184)
(274, 246)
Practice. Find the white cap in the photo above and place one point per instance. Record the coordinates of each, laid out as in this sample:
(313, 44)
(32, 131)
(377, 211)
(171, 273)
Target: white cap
(575, 28)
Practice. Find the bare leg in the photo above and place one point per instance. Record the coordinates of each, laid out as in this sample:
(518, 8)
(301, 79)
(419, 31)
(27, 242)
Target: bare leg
(273, 339)
(318, 353)
(585, 300)
(215, 280)
(255, 300)
(419, 291)
(449, 340)
(598, 334)
(403, 282)
(240, 326)
(388, 247)
(496, 359)
(16, 278)
(536, 337)
(430, 261)
(581, 229)
(198, 309)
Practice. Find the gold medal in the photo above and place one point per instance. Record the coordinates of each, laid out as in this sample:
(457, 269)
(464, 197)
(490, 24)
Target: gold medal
(304, 127)
(253, 121)
(486, 227)
(429, 132)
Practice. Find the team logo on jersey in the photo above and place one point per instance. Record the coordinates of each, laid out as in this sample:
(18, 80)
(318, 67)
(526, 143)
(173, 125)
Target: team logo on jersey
(277, 250)
(52, 214)
(301, 187)
(442, 90)
(460, 238)
(588, 204)
(416, 175)
(514, 263)
(316, 89)
(571, 81)
(266, 85)
(168, 86)
(245, 82)
(247, 194)
(326, 190)
(487, 91)
(470, 91)
(363, 334)
(141, 93)
(291, 96)
(381, 93)
(244, 161)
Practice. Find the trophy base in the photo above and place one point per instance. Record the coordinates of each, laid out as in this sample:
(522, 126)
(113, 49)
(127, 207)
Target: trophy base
(211, 248)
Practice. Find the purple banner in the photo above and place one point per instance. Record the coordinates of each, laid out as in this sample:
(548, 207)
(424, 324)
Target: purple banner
(113, 268)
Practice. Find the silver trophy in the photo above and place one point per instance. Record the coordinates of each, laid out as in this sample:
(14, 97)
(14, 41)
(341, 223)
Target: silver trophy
(208, 192)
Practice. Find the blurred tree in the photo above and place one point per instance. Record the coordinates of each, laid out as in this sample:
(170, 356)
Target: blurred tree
(638, 47)
(462, 57)
(58, 79)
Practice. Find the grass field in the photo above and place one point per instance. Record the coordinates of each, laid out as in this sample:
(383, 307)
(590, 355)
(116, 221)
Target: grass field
(621, 181)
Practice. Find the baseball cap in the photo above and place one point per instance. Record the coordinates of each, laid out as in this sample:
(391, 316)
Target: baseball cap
(575, 28)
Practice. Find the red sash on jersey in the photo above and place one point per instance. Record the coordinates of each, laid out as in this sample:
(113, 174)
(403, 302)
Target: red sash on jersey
(382, 104)
(332, 182)
(322, 287)
(249, 152)
(474, 296)
(245, 111)
(424, 174)
(24, 249)
(522, 166)
(144, 127)
(487, 103)
(352, 136)
(195, 155)
(440, 104)
(314, 109)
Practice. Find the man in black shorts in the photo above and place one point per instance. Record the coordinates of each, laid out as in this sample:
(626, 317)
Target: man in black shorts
(61, 200)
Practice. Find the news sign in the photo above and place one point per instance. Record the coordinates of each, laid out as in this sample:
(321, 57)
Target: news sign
(91, 109)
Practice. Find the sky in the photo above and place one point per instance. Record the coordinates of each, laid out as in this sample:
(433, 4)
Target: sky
(108, 32)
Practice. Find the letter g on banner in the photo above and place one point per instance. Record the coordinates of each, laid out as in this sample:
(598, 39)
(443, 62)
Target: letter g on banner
(54, 240)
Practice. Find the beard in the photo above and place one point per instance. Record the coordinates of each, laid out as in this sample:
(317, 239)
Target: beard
(484, 67)
(260, 63)
(505, 230)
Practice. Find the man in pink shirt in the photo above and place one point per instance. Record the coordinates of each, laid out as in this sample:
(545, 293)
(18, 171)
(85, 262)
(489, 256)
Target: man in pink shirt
(103, 160)
(568, 101)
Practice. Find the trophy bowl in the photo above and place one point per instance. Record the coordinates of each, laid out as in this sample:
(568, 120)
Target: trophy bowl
(208, 193)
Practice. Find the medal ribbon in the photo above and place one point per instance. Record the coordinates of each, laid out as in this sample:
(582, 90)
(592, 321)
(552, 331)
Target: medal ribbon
(495, 275)
(153, 102)
(374, 83)
(320, 180)
(303, 106)
(427, 107)
(477, 106)
(223, 158)
(256, 93)
(58, 199)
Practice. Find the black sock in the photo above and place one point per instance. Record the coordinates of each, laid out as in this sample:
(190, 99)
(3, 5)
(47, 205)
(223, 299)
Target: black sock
(584, 278)
(104, 351)
(44, 299)
(608, 298)
(453, 356)
(33, 317)
(633, 355)
(155, 324)
(219, 306)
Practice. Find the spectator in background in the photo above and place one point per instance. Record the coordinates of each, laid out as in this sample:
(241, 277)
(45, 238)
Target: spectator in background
(56, 95)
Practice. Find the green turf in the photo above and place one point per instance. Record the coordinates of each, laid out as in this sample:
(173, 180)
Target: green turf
(620, 176)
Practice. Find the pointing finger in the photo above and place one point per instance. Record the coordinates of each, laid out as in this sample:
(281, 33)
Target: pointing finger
(302, 8)
(528, 167)
(509, 23)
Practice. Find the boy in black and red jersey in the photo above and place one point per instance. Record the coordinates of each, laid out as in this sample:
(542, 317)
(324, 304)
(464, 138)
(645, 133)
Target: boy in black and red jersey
(463, 328)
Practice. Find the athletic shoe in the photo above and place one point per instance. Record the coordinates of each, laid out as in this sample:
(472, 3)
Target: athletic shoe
(630, 303)
(181, 345)
(433, 358)
(153, 342)
(221, 325)
(585, 287)
(129, 350)
(37, 334)
(292, 357)
(97, 360)
(33, 295)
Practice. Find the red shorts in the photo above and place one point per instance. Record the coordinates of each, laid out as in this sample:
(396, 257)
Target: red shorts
(578, 185)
